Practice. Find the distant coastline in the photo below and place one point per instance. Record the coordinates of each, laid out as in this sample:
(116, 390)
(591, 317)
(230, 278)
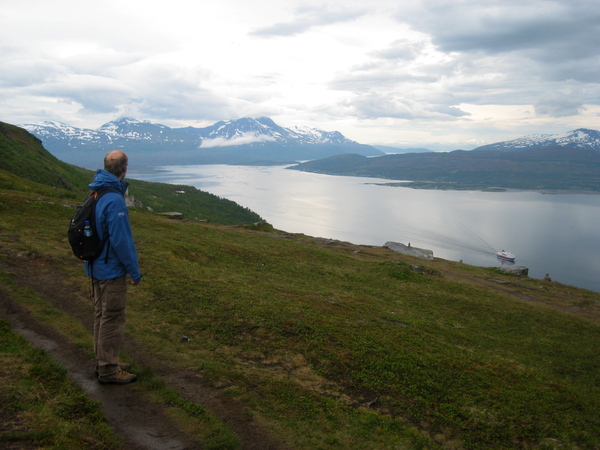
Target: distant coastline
(548, 169)
(454, 187)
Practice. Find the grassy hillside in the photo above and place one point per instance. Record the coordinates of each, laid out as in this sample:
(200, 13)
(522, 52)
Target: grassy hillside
(337, 346)
(26, 166)
(192, 202)
(325, 344)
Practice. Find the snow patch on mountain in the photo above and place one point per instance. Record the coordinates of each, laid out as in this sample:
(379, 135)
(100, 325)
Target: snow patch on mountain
(318, 136)
(47, 127)
(580, 138)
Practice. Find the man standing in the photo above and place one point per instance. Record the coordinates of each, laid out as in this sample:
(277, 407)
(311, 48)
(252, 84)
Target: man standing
(109, 271)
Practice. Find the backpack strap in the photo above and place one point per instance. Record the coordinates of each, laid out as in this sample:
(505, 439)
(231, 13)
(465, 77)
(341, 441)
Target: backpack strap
(97, 194)
(106, 239)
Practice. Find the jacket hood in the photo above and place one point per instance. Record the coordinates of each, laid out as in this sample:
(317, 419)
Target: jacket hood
(104, 179)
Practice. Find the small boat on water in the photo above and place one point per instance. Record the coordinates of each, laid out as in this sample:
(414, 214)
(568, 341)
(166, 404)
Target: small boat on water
(506, 256)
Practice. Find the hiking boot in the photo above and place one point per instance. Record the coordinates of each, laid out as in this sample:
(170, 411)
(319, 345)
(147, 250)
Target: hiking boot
(122, 366)
(121, 377)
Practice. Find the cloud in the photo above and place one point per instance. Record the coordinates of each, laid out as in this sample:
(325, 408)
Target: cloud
(409, 79)
(310, 17)
(25, 72)
(543, 30)
(372, 106)
(171, 92)
(102, 61)
(109, 82)
(480, 53)
(360, 67)
(403, 49)
(559, 104)
(378, 79)
(403, 64)
(247, 138)
(94, 94)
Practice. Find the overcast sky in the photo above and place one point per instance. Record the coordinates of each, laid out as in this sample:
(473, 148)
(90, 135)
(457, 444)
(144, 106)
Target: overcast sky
(458, 72)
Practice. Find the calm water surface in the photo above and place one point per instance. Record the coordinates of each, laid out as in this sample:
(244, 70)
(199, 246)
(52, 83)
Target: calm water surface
(556, 234)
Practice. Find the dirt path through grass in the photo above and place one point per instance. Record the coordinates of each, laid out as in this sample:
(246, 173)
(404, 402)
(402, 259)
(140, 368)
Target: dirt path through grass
(143, 423)
(137, 420)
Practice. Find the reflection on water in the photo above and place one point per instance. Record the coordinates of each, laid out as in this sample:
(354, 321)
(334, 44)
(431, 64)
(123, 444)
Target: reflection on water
(556, 234)
(504, 262)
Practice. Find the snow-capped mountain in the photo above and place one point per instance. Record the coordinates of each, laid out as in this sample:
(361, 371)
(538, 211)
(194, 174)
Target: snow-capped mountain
(242, 141)
(249, 130)
(581, 138)
(58, 135)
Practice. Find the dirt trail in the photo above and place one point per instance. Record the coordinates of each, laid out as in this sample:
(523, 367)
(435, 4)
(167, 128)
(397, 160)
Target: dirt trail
(139, 422)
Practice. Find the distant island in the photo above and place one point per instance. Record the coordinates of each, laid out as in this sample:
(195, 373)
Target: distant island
(563, 165)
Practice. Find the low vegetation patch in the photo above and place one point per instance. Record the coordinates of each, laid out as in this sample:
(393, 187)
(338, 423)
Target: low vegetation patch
(40, 406)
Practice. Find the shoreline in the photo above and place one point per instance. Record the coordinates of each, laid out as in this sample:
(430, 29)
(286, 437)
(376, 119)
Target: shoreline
(411, 185)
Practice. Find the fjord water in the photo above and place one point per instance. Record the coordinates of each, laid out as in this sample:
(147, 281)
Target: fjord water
(549, 233)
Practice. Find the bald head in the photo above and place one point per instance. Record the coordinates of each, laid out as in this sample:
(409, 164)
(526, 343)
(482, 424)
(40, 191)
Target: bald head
(115, 162)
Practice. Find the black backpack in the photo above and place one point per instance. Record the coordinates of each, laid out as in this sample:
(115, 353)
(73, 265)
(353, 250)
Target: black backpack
(86, 247)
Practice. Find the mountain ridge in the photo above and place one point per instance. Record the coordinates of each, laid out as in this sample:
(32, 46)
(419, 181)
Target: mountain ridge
(580, 138)
(241, 141)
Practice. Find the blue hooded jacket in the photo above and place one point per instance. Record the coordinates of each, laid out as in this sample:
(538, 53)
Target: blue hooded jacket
(112, 220)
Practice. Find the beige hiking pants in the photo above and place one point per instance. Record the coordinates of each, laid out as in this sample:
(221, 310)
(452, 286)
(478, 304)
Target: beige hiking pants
(109, 322)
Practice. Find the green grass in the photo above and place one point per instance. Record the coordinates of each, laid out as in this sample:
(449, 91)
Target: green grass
(40, 406)
(208, 430)
(336, 346)
(191, 202)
